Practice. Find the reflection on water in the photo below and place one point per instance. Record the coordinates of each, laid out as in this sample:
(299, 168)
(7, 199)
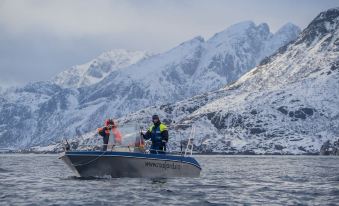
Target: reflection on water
(225, 180)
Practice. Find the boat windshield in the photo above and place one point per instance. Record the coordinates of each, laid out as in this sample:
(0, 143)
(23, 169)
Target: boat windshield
(126, 137)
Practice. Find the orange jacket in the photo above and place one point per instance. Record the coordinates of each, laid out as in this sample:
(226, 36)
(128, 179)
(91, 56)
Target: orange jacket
(105, 129)
(115, 131)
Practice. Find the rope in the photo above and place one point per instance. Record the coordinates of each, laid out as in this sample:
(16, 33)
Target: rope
(89, 162)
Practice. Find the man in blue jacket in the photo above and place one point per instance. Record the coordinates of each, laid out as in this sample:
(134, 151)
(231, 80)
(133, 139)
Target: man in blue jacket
(158, 134)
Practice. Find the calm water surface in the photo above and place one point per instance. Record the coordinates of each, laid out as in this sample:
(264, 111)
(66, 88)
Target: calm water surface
(225, 180)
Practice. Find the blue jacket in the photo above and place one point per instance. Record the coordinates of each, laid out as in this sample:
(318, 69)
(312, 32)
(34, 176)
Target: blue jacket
(159, 136)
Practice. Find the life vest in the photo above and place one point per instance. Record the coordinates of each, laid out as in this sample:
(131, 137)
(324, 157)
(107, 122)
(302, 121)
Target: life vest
(156, 132)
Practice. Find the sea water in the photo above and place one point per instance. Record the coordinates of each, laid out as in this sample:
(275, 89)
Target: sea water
(27, 179)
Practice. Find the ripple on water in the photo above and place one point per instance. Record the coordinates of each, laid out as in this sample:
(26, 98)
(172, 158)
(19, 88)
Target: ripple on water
(335, 192)
(4, 170)
(288, 178)
(335, 179)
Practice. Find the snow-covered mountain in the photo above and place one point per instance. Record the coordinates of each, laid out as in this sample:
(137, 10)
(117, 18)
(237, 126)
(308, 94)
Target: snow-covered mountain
(289, 104)
(97, 69)
(43, 112)
(191, 68)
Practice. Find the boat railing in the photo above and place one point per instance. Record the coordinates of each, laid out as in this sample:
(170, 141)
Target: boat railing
(189, 146)
(120, 148)
(123, 148)
(137, 144)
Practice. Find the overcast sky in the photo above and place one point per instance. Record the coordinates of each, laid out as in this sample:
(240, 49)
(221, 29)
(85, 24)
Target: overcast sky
(40, 38)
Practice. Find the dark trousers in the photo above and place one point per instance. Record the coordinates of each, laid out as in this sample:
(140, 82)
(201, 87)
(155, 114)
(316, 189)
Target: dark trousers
(158, 148)
(105, 139)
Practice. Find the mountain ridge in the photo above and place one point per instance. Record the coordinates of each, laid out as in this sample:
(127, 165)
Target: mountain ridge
(48, 112)
(97, 69)
(286, 105)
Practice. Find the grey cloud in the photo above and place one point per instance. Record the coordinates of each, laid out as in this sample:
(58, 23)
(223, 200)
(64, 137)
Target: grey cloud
(40, 38)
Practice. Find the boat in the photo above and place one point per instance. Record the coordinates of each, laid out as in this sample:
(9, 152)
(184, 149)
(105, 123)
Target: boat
(130, 164)
(122, 161)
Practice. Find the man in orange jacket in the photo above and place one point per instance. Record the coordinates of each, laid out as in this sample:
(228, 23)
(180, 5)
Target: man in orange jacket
(105, 132)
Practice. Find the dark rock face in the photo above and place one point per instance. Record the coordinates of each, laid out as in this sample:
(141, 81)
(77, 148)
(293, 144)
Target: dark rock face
(307, 111)
(335, 66)
(283, 110)
(227, 120)
(323, 24)
(254, 112)
(297, 114)
(278, 147)
(301, 113)
(257, 130)
(329, 148)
